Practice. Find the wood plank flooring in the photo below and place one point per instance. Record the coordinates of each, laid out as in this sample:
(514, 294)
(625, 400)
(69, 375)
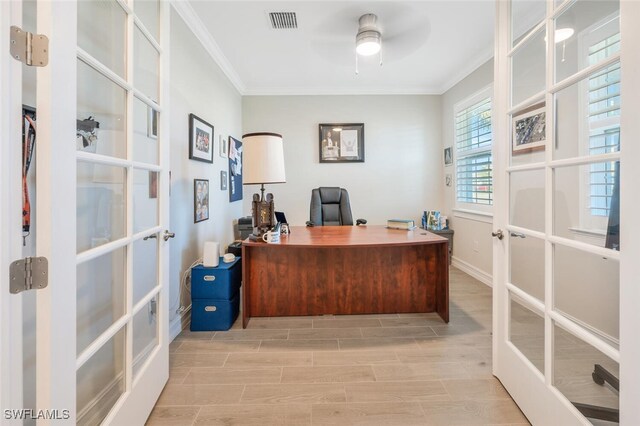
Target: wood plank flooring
(404, 369)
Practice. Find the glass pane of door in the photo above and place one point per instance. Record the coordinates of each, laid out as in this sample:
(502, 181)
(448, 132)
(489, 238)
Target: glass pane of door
(102, 33)
(145, 334)
(146, 66)
(528, 69)
(101, 381)
(101, 205)
(100, 296)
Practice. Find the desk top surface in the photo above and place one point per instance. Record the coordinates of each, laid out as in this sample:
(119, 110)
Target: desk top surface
(344, 236)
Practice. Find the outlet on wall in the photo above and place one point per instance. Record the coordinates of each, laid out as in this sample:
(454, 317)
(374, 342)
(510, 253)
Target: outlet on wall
(475, 246)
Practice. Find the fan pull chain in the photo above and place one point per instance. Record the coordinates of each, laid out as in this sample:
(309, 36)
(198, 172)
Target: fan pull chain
(356, 63)
(380, 54)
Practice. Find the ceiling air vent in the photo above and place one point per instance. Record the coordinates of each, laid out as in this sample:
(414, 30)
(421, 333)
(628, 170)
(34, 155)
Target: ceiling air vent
(283, 20)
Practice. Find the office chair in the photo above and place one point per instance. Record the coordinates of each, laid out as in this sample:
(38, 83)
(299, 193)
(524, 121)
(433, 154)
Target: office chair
(330, 207)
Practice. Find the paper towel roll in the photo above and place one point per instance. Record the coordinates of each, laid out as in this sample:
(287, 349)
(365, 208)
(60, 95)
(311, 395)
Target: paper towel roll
(211, 255)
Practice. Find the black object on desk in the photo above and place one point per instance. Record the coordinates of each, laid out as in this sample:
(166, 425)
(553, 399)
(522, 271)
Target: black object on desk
(215, 296)
(447, 233)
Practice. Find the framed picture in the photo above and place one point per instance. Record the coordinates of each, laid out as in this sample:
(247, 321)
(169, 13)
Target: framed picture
(341, 143)
(448, 156)
(223, 147)
(235, 169)
(200, 139)
(200, 200)
(529, 129)
(153, 185)
(223, 180)
(152, 123)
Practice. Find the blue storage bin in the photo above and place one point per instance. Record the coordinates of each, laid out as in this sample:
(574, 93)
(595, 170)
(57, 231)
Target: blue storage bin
(214, 315)
(221, 282)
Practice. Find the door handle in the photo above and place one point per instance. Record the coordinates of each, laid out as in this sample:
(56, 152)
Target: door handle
(518, 234)
(168, 235)
(150, 236)
(499, 234)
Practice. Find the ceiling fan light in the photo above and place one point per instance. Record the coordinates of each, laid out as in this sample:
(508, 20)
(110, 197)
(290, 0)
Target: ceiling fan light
(368, 43)
(563, 34)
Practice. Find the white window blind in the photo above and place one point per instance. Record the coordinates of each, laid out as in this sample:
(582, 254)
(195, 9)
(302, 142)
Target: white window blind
(604, 124)
(474, 180)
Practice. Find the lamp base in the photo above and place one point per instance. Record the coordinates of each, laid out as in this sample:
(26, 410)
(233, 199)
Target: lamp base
(263, 215)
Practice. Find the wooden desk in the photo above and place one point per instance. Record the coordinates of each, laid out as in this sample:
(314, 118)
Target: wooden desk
(346, 270)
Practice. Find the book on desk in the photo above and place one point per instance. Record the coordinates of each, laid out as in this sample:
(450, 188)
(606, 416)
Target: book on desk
(405, 224)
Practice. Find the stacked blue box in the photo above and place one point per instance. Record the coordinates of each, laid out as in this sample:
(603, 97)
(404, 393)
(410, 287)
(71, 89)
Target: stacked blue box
(215, 296)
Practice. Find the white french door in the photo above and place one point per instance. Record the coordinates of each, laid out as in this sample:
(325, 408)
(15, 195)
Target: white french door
(565, 259)
(100, 216)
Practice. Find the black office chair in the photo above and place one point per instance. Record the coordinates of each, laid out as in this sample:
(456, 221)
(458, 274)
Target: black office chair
(330, 207)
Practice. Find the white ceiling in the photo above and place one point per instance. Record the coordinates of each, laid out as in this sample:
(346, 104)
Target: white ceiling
(428, 46)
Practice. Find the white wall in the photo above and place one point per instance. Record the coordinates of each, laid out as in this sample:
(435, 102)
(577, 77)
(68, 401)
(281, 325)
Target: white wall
(198, 86)
(472, 240)
(402, 172)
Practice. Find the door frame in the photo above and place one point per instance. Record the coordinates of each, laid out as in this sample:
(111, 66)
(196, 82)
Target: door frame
(10, 216)
(535, 393)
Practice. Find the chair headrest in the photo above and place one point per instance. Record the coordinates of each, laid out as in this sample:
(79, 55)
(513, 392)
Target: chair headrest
(330, 195)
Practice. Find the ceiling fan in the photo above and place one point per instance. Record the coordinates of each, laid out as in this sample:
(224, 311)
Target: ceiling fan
(368, 38)
(403, 28)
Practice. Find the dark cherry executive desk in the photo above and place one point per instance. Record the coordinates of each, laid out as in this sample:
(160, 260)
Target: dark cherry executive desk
(346, 270)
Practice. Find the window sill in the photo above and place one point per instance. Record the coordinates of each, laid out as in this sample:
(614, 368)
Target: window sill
(590, 236)
(475, 215)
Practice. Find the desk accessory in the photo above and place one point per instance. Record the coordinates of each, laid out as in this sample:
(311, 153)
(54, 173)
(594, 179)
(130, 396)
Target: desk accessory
(264, 163)
(228, 258)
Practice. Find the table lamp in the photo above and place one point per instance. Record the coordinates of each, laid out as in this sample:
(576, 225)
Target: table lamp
(263, 159)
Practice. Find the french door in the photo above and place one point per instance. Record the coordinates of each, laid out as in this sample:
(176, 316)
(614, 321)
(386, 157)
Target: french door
(565, 259)
(95, 340)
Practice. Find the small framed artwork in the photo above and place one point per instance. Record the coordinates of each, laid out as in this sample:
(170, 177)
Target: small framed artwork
(200, 139)
(448, 156)
(223, 180)
(529, 129)
(235, 169)
(223, 147)
(341, 143)
(152, 123)
(153, 185)
(200, 200)
(448, 179)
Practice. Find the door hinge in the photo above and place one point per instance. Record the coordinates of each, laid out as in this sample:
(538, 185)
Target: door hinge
(31, 49)
(30, 273)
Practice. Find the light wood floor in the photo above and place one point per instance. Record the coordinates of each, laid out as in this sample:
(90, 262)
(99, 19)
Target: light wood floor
(405, 369)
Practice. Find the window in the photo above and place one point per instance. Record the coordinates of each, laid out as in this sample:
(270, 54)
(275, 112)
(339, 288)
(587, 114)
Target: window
(474, 180)
(604, 123)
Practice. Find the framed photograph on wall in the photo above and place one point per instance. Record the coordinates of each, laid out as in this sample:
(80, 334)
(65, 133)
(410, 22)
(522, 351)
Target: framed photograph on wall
(223, 147)
(200, 200)
(448, 156)
(223, 180)
(235, 169)
(200, 139)
(152, 123)
(529, 129)
(341, 143)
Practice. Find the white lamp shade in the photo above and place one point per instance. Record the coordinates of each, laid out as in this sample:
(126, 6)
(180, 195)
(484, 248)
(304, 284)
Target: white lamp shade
(263, 159)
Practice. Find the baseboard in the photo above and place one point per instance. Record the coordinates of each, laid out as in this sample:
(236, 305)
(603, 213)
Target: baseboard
(179, 323)
(469, 269)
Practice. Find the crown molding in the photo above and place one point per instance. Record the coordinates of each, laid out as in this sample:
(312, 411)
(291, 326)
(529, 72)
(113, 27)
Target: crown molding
(467, 70)
(199, 29)
(333, 91)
